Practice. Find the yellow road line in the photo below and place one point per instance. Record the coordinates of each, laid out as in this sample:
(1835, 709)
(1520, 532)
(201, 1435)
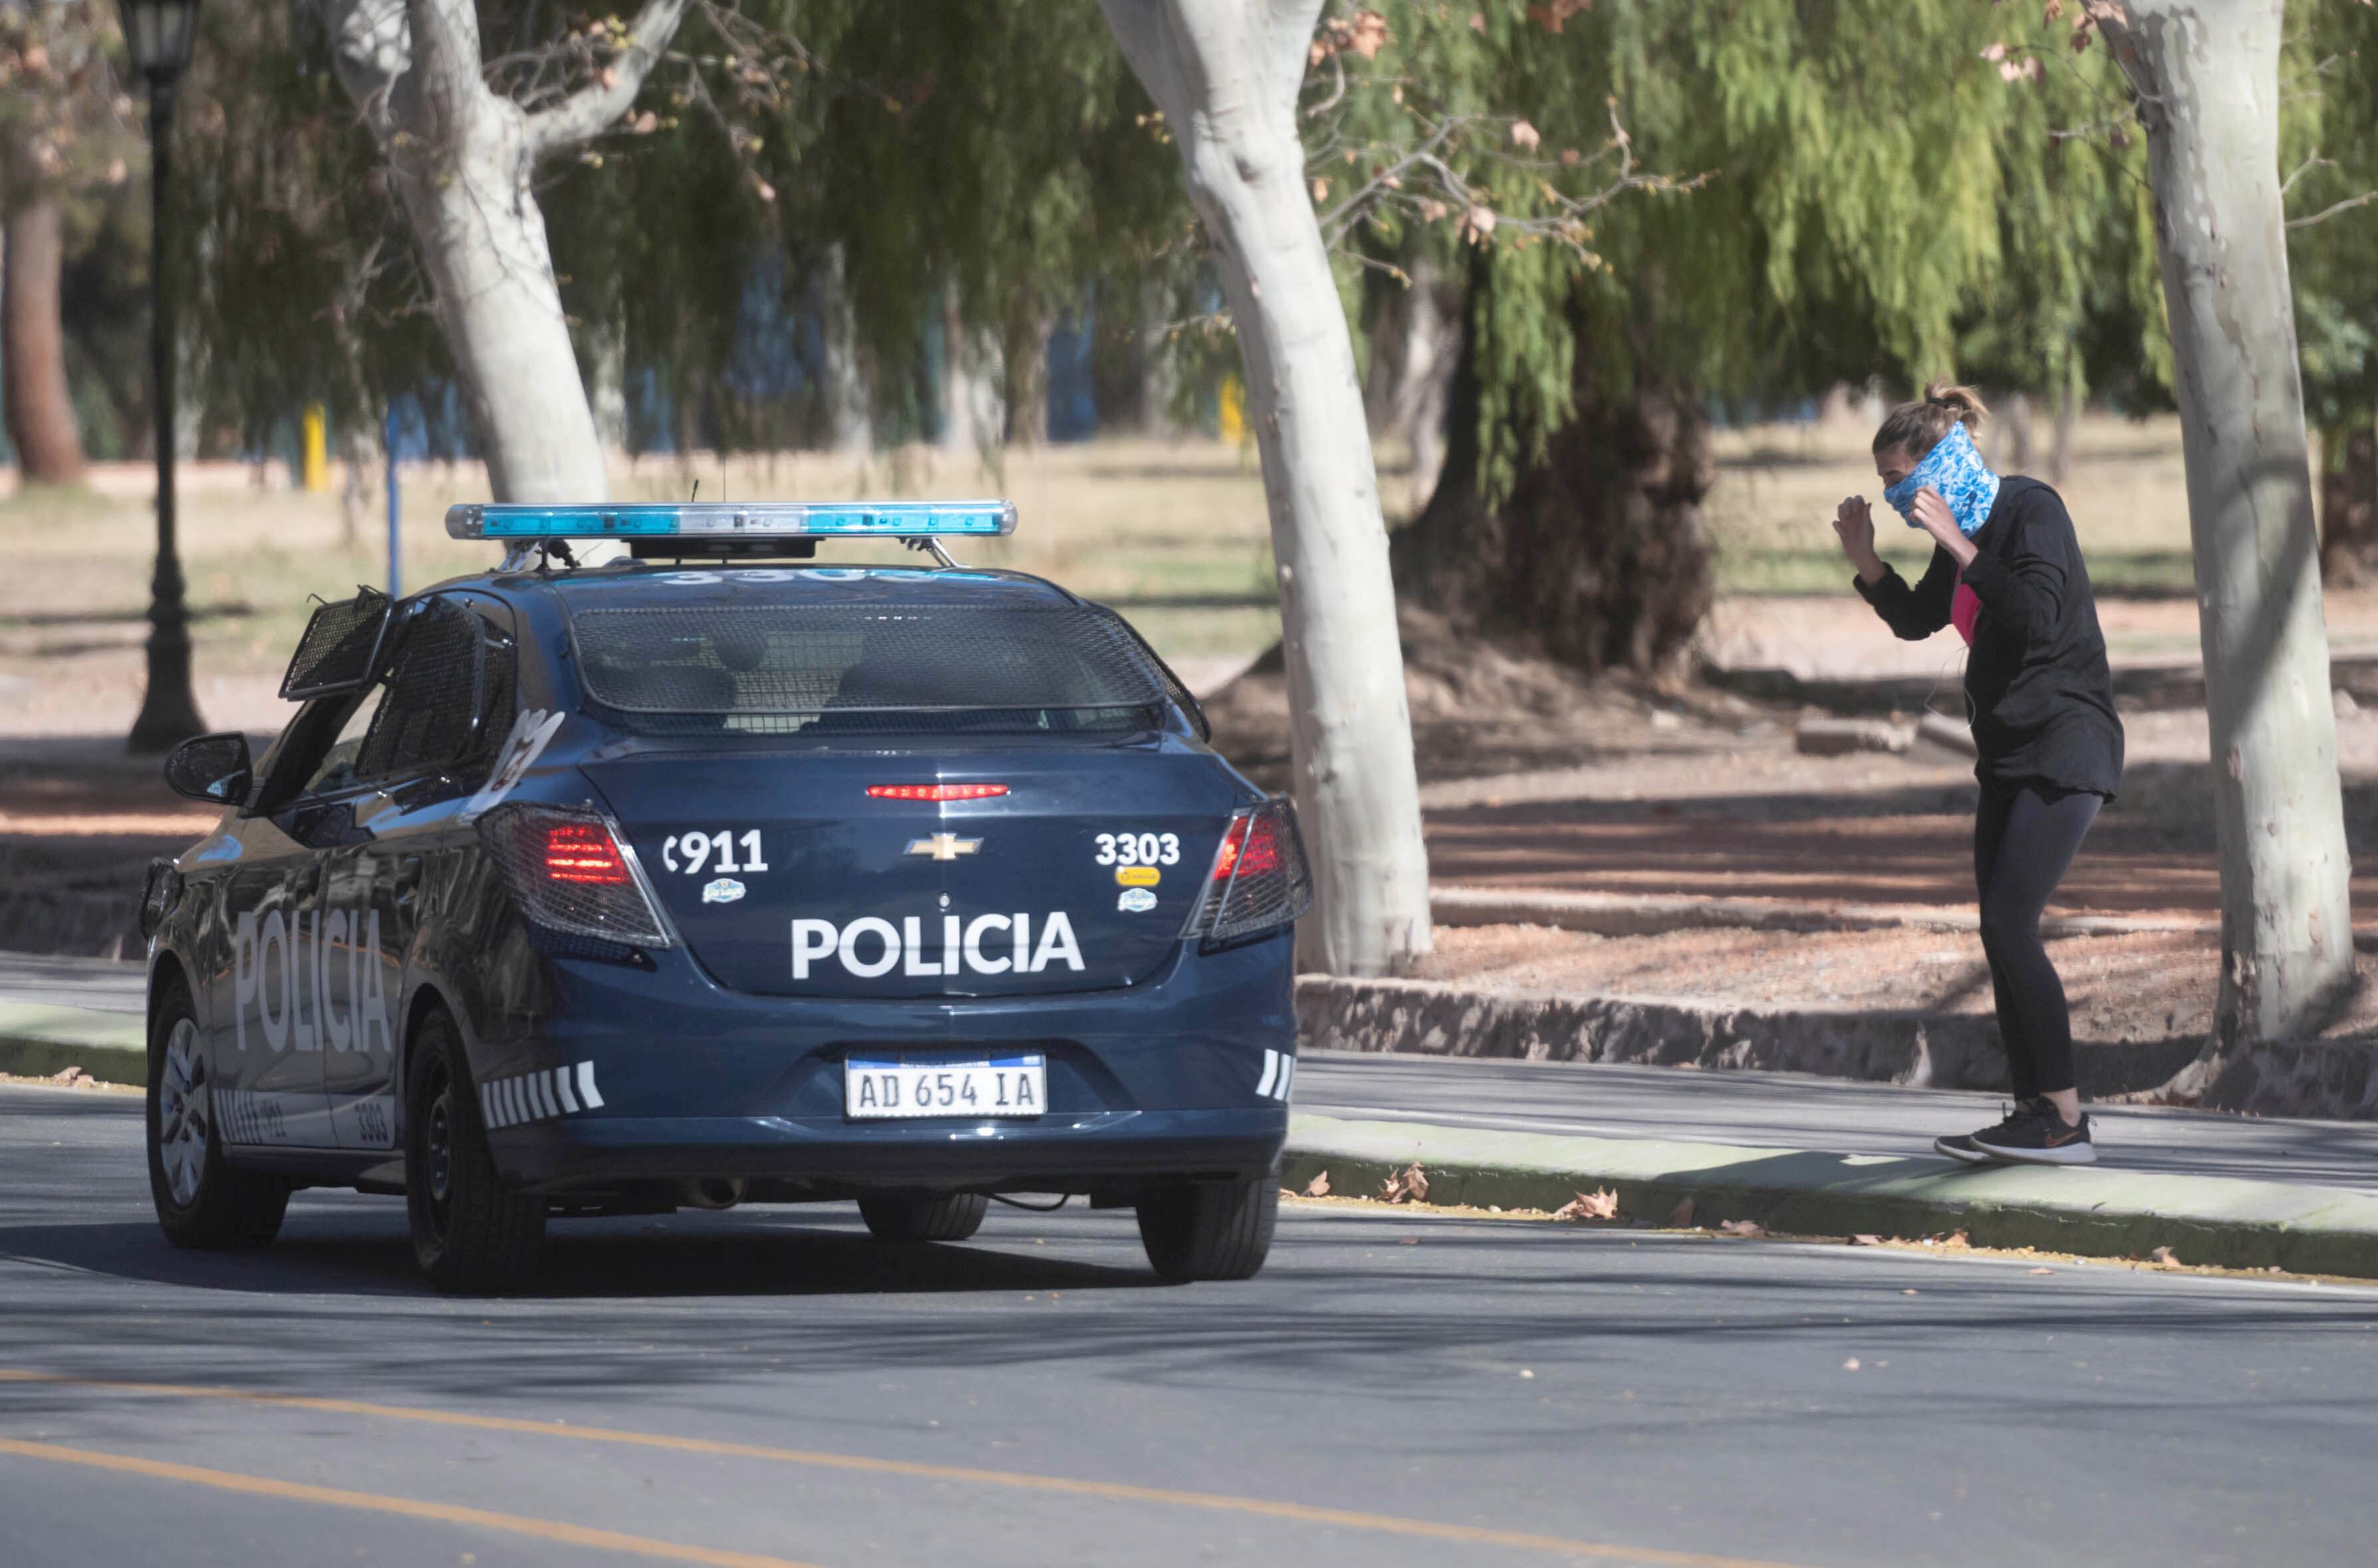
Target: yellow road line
(1305, 1514)
(372, 1501)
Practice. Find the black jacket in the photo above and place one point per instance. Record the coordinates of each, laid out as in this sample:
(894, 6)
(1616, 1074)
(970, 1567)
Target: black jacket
(2037, 692)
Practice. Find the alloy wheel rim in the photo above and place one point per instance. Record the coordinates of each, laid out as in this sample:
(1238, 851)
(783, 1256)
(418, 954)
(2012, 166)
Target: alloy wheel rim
(185, 1112)
(440, 1150)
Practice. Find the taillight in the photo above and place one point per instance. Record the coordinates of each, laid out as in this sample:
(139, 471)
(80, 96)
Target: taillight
(582, 852)
(571, 871)
(1259, 880)
(1251, 845)
(936, 792)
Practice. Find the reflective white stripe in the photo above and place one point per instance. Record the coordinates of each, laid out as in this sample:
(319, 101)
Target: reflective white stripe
(487, 1106)
(561, 1089)
(1271, 1071)
(586, 1086)
(1287, 1077)
(545, 1109)
(514, 1109)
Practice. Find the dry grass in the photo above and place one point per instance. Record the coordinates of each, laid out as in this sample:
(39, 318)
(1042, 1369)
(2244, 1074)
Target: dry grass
(1772, 509)
(1136, 524)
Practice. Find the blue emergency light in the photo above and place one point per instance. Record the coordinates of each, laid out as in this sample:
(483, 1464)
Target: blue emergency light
(721, 522)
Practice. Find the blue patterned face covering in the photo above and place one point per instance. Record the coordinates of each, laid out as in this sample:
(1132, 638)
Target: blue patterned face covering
(1953, 468)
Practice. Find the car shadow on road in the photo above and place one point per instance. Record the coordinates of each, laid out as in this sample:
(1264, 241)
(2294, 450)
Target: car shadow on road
(761, 1256)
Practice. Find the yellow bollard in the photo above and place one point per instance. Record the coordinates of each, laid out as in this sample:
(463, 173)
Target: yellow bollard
(1233, 411)
(317, 475)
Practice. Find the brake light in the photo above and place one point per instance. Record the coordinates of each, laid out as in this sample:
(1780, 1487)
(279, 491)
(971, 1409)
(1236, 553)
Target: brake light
(935, 792)
(582, 853)
(1251, 846)
(1226, 859)
(1260, 881)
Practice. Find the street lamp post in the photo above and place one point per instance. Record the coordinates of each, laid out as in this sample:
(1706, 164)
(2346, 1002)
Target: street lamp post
(157, 34)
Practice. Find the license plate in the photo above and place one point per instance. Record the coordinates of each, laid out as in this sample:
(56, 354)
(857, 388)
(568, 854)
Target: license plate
(985, 1087)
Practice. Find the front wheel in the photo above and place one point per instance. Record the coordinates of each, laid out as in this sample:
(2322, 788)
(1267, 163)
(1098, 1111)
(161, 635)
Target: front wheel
(1210, 1230)
(470, 1234)
(947, 1217)
(201, 1201)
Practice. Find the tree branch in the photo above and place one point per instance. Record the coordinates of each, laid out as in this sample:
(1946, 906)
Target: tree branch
(2326, 213)
(586, 113)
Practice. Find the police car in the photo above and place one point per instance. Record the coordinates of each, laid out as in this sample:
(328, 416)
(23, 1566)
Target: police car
(714, 875)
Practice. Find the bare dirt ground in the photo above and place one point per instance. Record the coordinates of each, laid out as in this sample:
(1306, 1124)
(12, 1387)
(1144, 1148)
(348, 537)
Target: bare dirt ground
(2123, 990)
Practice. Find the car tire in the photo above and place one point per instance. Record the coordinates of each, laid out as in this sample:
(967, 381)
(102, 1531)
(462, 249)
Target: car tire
(1210, 1230)
(203, 1202)
(471, 1236)
(946, 1216)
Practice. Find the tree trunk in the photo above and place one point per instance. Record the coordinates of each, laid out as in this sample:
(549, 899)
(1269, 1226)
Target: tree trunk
(462, 160)
(1599, 553)
(2348, 506)
(1431, 341)
(2206, 76)
(1226, 75)
(2068, 415)
(33, 347)
(971, 415)
(849, 405)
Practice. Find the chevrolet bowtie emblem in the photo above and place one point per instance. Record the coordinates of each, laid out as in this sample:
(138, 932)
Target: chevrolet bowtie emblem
(944, 846)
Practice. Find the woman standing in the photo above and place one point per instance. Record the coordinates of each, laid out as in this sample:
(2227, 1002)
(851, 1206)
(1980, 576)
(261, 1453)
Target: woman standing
(2006, 572)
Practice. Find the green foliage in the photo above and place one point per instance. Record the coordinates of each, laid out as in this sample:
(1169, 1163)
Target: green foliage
(1888, 188)
(2329, 145)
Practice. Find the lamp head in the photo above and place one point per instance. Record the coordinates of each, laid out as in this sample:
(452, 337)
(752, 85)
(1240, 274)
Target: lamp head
(157, 34)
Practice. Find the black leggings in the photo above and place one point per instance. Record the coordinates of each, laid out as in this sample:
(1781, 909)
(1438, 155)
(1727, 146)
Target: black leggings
(2025, 836)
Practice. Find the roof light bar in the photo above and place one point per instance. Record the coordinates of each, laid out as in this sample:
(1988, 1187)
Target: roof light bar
(712, 520)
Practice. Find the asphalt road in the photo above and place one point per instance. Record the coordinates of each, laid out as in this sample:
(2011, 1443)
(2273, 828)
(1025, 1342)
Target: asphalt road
(769, 1386)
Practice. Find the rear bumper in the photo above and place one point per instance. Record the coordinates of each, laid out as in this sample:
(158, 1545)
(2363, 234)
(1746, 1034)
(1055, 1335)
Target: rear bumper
(1175, 1077)
(1056, 1154)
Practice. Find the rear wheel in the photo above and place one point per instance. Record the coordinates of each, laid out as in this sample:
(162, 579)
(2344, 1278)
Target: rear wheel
(947, 1217)
(201, 1201)
(470, 1234)
(1210, 1230)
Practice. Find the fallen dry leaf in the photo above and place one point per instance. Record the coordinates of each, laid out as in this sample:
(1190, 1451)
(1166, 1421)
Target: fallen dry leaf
(1742, 1228)
(1682, 1215)
(1409, 1185)
(1850, 1365)
(2163, 1258)
(1864, 1240)
(71, 1077)
(1599, 1203)
(1318, 1186)
(2040, 1271)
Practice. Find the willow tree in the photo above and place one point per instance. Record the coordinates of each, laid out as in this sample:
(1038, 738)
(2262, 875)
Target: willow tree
(65, 126)
(1867, 190)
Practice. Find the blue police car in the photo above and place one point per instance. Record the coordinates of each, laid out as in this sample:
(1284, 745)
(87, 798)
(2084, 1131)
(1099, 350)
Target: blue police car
(715, 875)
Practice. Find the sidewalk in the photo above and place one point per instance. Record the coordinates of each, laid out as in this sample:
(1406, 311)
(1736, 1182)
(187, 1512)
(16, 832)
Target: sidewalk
(1811, 1157)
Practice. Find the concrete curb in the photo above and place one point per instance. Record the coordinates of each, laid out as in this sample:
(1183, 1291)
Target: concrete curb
(36, 1041)
(1651, 915)
(2094, 1211)
(1938, 1050)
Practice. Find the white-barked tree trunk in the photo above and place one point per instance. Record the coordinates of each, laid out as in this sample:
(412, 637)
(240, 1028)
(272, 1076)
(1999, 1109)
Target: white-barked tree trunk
(1226, 73)
(2206, 74)
(462, 159)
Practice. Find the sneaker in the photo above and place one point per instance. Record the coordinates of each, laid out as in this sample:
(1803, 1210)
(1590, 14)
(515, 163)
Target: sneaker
(1967, 1146)
(2036, 1134)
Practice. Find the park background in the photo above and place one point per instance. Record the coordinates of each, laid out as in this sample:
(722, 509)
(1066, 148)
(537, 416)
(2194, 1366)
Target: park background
(1624, 324)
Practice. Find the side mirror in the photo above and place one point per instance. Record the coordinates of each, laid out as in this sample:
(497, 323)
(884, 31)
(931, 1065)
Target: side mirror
(212, 768)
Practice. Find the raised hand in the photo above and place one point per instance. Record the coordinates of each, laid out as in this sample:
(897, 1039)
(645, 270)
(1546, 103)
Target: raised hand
(1853, 523)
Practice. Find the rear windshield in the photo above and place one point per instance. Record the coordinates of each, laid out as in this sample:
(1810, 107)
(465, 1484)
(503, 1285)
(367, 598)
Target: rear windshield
(868, 668)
